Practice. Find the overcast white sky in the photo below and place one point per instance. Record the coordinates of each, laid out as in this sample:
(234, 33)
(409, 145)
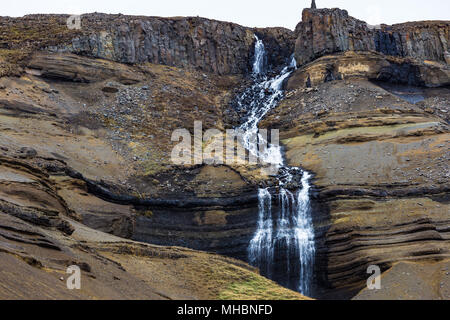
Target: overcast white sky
(251, 13)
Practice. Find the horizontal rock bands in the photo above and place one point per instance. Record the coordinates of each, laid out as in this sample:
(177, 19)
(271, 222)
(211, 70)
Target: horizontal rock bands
(382, 192)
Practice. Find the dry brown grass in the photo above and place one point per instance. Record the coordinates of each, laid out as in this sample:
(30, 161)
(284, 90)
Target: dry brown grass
(183, 273)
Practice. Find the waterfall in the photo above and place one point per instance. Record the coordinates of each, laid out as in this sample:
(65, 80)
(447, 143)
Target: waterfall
(304, 235)
(261, 248)
(260, 56)
(285, 236)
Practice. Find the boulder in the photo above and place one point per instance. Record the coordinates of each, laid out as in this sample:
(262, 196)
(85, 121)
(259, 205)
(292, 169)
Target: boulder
(27, 153)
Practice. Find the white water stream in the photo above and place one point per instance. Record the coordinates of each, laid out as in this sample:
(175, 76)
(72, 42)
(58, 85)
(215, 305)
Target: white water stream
(283, 245)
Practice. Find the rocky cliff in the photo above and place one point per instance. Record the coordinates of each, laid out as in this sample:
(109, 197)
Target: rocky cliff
(326, 31)
(86, 118)
(215, 46)
(203, 44)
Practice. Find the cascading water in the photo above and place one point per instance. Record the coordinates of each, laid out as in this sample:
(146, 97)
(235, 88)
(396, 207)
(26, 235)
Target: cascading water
(259, 60)
(283, 245)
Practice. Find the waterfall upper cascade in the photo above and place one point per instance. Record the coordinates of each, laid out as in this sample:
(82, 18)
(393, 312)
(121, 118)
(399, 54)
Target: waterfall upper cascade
(283, 245)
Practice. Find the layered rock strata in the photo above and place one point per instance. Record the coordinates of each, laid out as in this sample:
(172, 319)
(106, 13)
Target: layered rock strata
(381, 168)
(372, 66)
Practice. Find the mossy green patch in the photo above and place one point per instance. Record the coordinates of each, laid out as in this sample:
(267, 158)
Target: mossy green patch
(146, 213)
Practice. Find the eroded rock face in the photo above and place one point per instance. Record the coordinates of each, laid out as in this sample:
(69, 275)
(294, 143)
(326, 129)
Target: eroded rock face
(327, 31)
(208, 45)
(191, 42)
(373, 66)
(381, 175)
(428, 40)
(74, 68)
(34, 255)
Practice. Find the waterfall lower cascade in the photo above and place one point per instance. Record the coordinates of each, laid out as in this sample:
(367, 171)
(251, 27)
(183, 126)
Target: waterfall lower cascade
(283, 245)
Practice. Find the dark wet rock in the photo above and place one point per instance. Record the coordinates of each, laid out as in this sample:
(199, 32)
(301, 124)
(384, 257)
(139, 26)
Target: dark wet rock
(27, 153)
(110, 89)
(65, 227)
(40, 217)
(19, 107)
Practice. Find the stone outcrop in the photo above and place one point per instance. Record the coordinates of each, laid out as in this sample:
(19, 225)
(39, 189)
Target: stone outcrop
(371, 66)
(75, 68)
(327, 31)
(209, 45)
